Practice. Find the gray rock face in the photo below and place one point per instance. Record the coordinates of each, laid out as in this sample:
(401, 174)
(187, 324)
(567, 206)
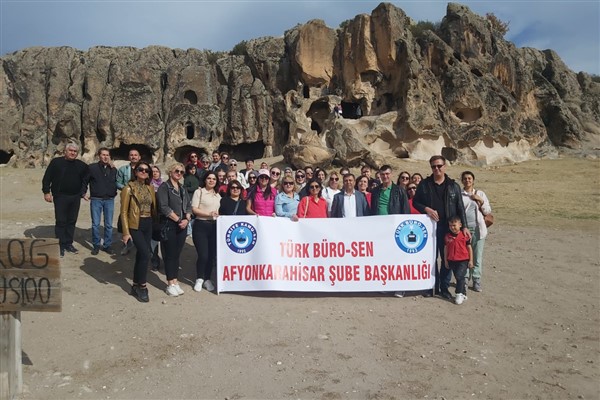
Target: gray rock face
(462, 91)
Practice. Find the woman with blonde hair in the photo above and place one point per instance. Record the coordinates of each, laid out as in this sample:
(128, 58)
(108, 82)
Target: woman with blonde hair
(286, 201)
(138, 208)
(175, 212)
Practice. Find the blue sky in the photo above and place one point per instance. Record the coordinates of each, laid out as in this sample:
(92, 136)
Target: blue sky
(571, 28)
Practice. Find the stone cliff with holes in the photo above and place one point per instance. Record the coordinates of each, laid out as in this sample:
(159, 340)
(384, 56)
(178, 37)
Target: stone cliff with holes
(462, 91)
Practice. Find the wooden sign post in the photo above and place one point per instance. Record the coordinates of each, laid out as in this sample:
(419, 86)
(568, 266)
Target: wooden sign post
(29, 281)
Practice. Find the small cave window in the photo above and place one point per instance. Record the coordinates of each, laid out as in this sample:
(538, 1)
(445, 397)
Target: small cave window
(306, 91)
(191, 97)
(190, 130)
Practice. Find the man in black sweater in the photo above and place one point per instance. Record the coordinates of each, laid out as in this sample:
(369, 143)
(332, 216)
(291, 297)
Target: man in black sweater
(440, 198)
(103, 189)
(64, 185)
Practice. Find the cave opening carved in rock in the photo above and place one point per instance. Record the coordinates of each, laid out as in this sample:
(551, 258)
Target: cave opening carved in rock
(190, 130)
(318, 113)
(466, 114)
(351, 110)
(191, 97)
(242, 151)
(122, 152)
(5, 156)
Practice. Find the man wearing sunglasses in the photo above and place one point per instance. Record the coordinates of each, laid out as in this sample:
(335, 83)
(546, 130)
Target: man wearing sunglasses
(440, 198)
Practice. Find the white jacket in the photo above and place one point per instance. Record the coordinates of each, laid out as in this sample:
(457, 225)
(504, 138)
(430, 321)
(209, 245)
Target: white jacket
(485, 209)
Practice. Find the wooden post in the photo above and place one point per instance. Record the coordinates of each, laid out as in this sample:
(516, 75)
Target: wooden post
(11, 369)
(29, 281)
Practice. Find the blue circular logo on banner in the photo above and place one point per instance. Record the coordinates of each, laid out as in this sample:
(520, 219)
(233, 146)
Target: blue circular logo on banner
(411, 236)
(241, 237)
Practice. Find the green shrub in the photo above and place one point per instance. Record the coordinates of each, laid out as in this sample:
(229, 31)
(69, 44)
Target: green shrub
(497, 24)
(240, 49)
(420, 27)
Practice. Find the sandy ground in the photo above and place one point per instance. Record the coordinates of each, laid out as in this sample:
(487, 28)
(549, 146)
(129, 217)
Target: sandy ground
(533, 333)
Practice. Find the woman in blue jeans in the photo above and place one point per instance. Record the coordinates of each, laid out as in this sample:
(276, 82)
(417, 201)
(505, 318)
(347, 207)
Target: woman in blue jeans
(138, 209)
(175, 212)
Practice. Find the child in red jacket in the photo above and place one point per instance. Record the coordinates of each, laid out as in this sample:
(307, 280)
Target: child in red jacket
(458, 254)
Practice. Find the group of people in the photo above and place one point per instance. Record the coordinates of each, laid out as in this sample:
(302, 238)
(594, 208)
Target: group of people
(194, 195)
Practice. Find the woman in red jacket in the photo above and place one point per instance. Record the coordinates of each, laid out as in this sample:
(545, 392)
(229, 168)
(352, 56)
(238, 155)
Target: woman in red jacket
(313, 205)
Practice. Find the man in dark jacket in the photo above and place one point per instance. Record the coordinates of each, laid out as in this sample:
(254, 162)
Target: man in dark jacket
(440, 198)
(102, 181)
(349, 202)
(388, 198)
(64, 185)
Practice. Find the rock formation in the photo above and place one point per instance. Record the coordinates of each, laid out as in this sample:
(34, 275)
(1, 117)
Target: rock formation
(462, 91)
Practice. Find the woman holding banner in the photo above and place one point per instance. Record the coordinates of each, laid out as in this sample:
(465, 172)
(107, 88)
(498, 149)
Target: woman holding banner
(313, 205)
(261, 200)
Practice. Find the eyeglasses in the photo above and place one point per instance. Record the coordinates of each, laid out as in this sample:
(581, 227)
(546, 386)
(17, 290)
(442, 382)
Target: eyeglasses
(315, 187)
(299, 176)
(288, 183)
(225, 158)
(405, 178)
(412, 188)
(193, 156)
(437, 166)
(235, 188)
(233, 165)
(251, 177)
(145, 170)
(334, 179)
(263, 177)
(179, 171)
(275, 173)
(205, 162)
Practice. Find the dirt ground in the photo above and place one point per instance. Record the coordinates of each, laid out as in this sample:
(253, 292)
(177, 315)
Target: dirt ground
(533, 333)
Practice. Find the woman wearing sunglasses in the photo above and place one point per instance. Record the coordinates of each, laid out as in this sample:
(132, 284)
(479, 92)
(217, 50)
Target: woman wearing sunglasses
(138, 208)
(313, 205)
(175, 212)
(403, 179)
(261, 200)
(286, 202)
(233, 203)
(205, 205)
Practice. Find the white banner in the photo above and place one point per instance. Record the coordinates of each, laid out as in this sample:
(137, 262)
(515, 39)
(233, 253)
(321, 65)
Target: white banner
(376, 253)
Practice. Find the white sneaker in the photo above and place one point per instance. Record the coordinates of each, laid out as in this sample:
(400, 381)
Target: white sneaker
(198, 285)
(208, 285)
(171, 290)
(459, 298)
(179, 289)
(399, 294)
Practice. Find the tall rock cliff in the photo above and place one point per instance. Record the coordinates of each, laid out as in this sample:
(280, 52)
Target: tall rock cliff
(462, 91)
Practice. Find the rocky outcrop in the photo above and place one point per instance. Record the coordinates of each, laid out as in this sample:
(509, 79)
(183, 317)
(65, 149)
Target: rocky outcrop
(462, 91)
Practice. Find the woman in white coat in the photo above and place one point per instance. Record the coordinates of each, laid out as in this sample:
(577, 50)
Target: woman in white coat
(477, 206)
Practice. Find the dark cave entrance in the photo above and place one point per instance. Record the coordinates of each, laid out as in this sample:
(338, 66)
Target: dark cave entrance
(122, 152)
(5, 156)
(242, 151)
(351, 110)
